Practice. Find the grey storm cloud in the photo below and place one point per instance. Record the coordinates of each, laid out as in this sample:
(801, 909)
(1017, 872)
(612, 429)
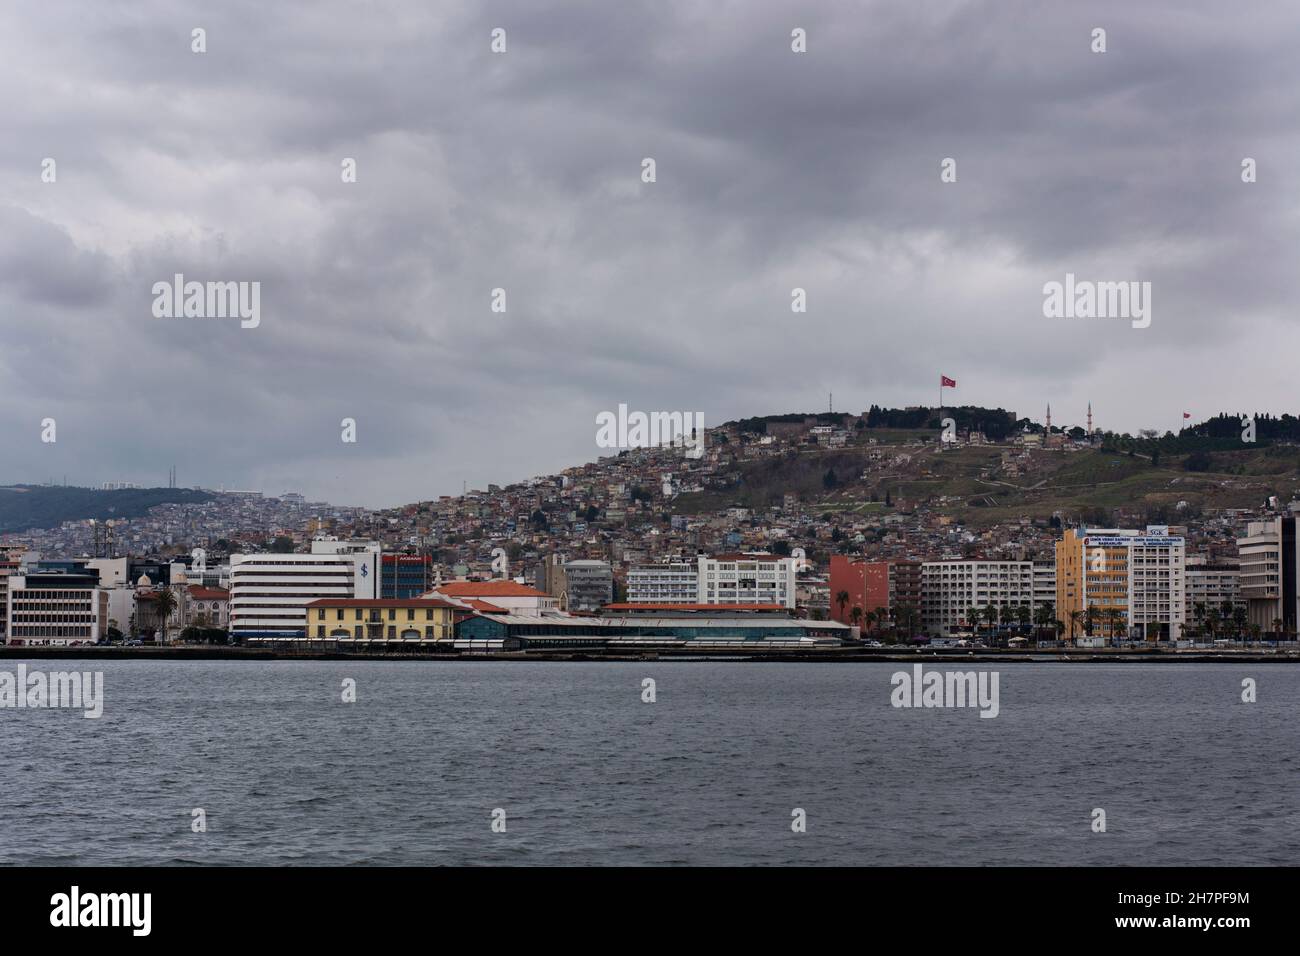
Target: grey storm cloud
(521, 170)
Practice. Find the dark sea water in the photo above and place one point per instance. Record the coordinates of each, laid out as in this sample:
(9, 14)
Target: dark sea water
(708, 774)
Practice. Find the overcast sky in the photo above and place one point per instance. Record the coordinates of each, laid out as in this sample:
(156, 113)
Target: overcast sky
(523, 170)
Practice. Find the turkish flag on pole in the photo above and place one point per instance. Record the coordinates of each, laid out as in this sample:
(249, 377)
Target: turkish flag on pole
(946, 382)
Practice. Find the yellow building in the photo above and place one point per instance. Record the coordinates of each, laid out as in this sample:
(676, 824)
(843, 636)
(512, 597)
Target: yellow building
(371, 619)
(1092, 573)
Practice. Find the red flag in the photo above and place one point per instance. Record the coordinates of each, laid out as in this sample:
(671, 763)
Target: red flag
(1187, 414)
(946, 382)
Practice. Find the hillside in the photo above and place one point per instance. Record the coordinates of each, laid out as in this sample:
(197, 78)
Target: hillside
(37, 506)
(986, 484)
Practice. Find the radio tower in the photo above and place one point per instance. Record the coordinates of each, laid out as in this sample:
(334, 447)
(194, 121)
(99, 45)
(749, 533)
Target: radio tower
(1090, 419)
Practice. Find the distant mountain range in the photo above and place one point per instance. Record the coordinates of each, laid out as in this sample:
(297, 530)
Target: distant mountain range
(24, 507)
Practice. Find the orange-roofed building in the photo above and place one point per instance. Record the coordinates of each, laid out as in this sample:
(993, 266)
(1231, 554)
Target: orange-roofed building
(210, 606)
(508, 596)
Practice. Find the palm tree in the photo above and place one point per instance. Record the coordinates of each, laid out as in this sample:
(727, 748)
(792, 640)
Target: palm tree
(1226, 610)
(908, 617)
(856, 616)
(1044, 617)
(842, 599)
(1076, 618)
(166, 604)
(1112, 617)
(1198, 614)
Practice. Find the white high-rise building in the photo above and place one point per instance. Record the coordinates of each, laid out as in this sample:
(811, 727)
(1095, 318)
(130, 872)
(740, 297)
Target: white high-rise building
(55, 607)
(746, 578)
(1044, 584)
(950, 588)
(1157, 581)
(269, 593)
(671, 582)
(1270, 586)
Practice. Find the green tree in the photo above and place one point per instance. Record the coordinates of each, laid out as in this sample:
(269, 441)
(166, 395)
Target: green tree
(1044, 617)
(164, 605)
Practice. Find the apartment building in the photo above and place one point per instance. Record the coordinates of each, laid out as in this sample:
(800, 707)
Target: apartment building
(55, 607)
(588, 585)
(872, 586)
(1132, 581)
(950, 588)
(1044, 584)
(269, 593)
(1267, 558)
(669, 582)
(1211, 585)
(12, 559)
(746, 578)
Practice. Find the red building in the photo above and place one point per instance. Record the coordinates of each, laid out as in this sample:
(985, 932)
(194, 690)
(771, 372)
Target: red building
(871, 585)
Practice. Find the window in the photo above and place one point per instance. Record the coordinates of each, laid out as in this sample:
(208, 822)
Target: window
(320, 614)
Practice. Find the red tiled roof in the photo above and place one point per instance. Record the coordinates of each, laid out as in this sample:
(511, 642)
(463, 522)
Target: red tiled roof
(488, 589)
(484, 606)
(669, 606)
(209, 594)
(379, 602)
